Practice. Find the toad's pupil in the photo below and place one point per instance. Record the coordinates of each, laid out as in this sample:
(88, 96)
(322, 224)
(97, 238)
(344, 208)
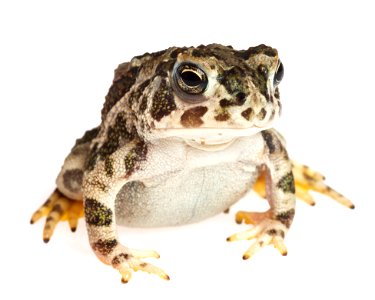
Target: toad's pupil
(190, 78)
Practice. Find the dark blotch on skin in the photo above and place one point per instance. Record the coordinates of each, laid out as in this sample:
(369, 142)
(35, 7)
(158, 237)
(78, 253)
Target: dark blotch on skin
(286, 217)
(262, 114)
(231, 80)
(143, 105)
(108, 166)
(73, 180)
(96, 213)
(118, 259)
(134, 157)
(267, 96)
(104, 247)
(268, 138)
(192, 117)
(116, 133)
(119, 88)
(223, 116)
(238, 99)
(136, 95)
(248, 114)
(164, 67)
(225, 102)
(162, 102)
(57, 209)
(277, 93)
(286, 183)
(92, 157)
(272, 232)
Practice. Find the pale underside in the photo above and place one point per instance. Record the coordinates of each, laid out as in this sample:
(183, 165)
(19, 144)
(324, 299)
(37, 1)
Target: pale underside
(193, 186)
(184, 197)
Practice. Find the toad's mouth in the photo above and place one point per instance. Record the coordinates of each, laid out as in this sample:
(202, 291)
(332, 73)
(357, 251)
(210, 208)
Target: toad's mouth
(209, 139)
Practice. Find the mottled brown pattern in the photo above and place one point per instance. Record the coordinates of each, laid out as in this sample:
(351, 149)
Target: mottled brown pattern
(124, 80)
(222, 116)
(269, 139)
(277, 93)
(134, 157)
(118, 259)
(162, 102)
(97, 214)
(272, 232)
(115, 134)
(192, 117)
(286, 183)
(164, 68)
(136, 95)
(262, 114)
(108, 166)
(92, 157)
(286, 217)
(104, 247)
(232, 80)
(248, 114)
(57, 209)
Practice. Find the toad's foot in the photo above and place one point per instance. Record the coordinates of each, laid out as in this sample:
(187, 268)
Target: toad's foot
(266, 232)
(306, 180)
(58, 208)
(128, 260)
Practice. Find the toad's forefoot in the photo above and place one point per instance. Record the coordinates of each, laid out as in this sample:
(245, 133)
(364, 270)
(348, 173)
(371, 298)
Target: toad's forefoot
(265, 232)
(127, 260)
(306, 180)
(58, 208)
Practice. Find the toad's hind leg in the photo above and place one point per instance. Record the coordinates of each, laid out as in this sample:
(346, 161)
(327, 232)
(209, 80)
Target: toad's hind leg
(66, 202)
(306, 180)
(58, 208)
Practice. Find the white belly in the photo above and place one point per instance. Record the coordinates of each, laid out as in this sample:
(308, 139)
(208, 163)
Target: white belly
(185, 196)
(179, 184)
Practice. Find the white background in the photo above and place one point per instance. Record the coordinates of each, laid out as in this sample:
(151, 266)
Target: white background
(56, 65)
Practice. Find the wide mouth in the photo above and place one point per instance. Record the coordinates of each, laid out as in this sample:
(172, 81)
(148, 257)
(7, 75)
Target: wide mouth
(207, 136)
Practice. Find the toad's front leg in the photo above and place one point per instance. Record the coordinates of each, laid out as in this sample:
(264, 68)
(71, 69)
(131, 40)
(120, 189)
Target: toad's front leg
(270, 227)
(100, 187)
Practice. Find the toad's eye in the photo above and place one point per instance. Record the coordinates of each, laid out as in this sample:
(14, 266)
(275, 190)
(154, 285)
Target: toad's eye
(191, 79)
(279, 74)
